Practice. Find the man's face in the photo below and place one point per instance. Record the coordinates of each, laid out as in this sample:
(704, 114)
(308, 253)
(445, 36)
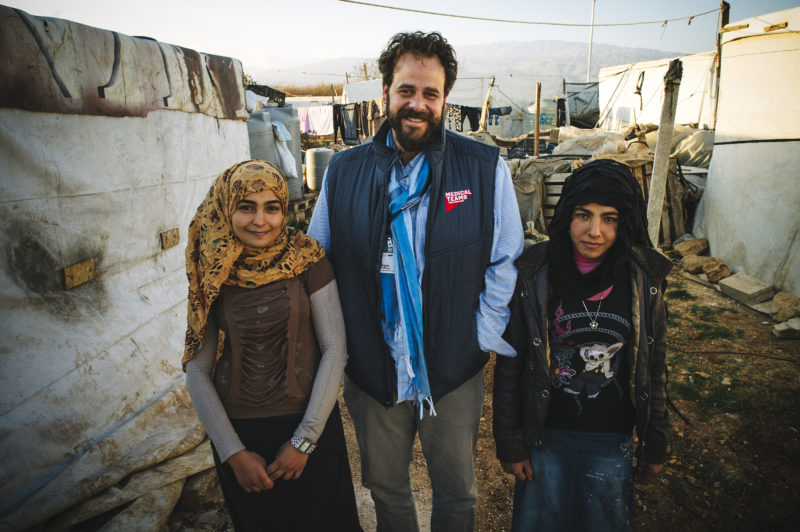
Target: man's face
(415, 100)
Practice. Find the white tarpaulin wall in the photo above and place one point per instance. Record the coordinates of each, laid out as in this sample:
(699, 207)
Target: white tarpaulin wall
(622, 105)
(750, 211)
(106, 141)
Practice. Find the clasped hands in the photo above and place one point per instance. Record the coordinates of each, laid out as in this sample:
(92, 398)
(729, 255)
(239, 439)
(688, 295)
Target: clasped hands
(254, 475)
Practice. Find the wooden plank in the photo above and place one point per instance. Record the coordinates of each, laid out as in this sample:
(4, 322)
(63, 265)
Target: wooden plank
(672, 81)
(774, 27)
(78, 274)
(170, 238)
(726, 29)
(675, 195)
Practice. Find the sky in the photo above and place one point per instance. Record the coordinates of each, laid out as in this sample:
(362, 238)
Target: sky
(268, 34)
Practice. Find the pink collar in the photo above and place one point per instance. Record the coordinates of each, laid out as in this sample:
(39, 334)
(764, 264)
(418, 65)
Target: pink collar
(585, 266)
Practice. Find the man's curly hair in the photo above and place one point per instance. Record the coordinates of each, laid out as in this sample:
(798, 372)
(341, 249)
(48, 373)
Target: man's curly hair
(421, 45)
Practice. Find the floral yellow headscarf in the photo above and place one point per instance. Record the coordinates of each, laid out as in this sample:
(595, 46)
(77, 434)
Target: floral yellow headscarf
(215, 256)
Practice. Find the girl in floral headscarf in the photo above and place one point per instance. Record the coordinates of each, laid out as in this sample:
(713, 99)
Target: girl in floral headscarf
(265, 354)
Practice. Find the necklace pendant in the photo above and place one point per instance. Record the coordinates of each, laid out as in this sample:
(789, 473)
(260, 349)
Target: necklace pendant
(593, 324)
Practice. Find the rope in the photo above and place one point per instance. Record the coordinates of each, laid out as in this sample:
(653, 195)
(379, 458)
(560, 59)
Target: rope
(662, 22)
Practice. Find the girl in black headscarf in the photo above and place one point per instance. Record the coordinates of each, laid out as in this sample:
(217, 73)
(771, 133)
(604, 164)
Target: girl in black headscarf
(588, 323)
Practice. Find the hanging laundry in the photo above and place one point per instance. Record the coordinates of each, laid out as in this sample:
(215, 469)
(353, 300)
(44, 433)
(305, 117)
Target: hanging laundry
(376, 116)
(473, 114)
(302, 116)
(338, 122)
(320, 119)
(350, 118)
(454, 121)
(497, 112)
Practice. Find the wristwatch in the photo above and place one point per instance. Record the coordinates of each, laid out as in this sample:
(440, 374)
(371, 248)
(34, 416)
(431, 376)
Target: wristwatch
(303, 445)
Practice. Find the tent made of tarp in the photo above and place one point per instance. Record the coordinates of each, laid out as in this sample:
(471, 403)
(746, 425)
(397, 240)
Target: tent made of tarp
(633, 94)
(750, 210)
(516, 91)
(108, 143)
(583, 105)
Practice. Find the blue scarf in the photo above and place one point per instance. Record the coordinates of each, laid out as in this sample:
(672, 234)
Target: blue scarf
(402, 299)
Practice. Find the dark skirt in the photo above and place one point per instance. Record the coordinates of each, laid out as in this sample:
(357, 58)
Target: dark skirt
(321, 499)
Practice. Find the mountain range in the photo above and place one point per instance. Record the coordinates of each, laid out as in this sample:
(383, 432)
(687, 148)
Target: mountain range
(538, 58)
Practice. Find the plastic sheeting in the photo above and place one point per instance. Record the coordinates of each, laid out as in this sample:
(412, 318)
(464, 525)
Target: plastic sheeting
(92, 388)
(58, 66)
(622, 104)
(584, 104)
(749, 212)
(515, 91)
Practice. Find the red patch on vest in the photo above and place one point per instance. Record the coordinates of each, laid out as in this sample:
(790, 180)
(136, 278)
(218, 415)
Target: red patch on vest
(454, 199)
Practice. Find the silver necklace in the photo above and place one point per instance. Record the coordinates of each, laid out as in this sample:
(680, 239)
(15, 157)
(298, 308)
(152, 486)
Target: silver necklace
(593, 322)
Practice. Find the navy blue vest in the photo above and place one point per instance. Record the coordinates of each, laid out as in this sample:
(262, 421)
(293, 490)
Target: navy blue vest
(457, 252)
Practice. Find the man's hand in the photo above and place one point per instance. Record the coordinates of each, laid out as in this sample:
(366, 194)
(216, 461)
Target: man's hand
(250, 471)
(289, 463)
(645, 473)
(523, 471)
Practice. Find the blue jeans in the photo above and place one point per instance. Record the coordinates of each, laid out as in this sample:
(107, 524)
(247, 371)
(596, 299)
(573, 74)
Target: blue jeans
(386, 444)
(582, 481)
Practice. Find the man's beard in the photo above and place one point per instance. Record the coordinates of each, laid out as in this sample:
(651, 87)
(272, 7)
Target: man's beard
(407, 141)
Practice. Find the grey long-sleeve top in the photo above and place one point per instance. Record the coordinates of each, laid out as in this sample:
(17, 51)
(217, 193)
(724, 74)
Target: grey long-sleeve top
(326, 315)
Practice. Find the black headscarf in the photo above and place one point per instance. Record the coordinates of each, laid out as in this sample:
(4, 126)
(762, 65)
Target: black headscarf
(606, 182)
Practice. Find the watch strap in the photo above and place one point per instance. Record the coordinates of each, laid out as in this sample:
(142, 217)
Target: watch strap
(304, 445)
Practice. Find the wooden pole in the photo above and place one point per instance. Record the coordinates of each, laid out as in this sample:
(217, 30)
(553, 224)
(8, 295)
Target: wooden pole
(538, 110)
(485, 109)
(725, 10)
(366, 78)
(658, 181)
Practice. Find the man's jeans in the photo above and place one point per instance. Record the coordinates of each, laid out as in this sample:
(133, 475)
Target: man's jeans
(582, 481)
(386, 444)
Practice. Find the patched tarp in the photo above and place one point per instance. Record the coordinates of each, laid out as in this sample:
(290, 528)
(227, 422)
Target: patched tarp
(92, 388)
(583, 104)
(634, 93)
(57, 66)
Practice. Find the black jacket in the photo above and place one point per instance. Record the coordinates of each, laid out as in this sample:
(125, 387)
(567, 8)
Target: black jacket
(458, 246)
(522, 383)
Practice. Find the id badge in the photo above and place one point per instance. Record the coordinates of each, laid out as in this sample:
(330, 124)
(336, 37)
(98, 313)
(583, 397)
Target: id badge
(387, 257)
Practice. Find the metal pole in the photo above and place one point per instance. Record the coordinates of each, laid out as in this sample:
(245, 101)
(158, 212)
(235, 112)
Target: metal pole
(538, 110)
(591, 37)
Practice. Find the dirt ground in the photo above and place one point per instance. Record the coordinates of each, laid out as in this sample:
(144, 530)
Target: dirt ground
(734, 459)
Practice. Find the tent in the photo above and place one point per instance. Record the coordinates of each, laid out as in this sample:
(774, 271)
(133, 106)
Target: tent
(633, 94)
(517, 91)
(108, 144)
(582, 104)
(749, 211)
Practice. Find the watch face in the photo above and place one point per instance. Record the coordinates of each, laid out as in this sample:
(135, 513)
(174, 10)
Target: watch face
(304, 446)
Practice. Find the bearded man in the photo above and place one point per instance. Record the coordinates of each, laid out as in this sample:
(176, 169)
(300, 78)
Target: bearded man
(422, 228)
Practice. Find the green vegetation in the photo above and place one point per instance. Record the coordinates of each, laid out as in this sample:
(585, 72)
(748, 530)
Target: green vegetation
(712, 332)
(674, 318)
(679, 293)
(704, 313)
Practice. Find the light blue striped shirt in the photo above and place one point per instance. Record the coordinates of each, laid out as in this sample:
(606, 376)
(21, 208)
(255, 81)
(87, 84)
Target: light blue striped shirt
(501, 275)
